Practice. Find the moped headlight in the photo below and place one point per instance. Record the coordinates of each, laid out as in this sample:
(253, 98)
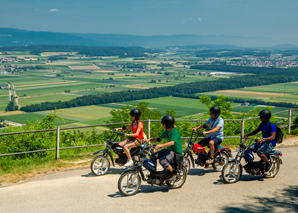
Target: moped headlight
(105, 143)
(186, 144)
(238, 149)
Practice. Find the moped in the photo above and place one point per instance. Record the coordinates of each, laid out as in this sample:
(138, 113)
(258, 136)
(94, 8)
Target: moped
(232, 171)
(221, 154)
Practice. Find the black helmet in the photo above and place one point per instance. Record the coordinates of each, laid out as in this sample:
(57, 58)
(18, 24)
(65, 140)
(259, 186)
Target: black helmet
(266, 114)
(215, 110)
(136, 113)
(168, 120)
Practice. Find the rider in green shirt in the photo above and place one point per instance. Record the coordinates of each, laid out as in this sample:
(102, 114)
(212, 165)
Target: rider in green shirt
(173, 145)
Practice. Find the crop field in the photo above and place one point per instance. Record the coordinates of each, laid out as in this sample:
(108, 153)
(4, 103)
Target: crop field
(287, 92)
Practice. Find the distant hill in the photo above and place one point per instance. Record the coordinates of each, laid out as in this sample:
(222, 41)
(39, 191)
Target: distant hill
(15, 37)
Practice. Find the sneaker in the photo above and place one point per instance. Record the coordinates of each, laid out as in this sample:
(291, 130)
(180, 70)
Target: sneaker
(210, 160)
(129, 163)
(268, 166)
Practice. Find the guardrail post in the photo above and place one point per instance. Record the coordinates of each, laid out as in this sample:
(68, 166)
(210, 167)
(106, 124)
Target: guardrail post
(289, 121)
(148, 129)
(57, 143)
(242, 129)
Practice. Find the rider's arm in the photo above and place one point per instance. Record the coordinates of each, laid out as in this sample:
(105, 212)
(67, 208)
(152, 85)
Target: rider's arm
(256, 131)
(171, 143)
(213, 130)
(200, 127)
(140, 126)
(272, 137)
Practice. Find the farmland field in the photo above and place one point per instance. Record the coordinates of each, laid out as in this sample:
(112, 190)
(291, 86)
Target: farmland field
(38, 81)
(287, 92)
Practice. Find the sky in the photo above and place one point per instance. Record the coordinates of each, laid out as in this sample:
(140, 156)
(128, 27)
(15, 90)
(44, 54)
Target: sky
(276, 19)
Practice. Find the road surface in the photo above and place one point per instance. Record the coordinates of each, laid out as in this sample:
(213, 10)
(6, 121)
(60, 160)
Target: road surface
(204, 191)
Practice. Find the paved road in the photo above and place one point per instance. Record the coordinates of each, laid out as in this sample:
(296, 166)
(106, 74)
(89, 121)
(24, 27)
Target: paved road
(204, 191)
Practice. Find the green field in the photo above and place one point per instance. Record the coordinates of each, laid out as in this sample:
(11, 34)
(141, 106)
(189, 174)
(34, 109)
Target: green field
(287, 92)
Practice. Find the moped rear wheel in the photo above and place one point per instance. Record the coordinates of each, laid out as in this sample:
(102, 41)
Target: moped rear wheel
(100, 165)
(231, 172)
(274, 170)
(180, 179)
(129, 183)
(222, 160)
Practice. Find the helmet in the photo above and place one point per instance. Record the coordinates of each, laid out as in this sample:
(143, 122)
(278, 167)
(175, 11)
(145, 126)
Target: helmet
(168, 120)
(266, 114)
(215, 110)
(136, 113)
(149, 165)
(248, 156)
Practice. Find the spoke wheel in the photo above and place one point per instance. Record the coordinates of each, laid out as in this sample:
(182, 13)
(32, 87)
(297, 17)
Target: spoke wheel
(180, 179)
(186, 164)
(274, 170)
(129, 183)
(100, 165)
(231, 174)
(222, 160)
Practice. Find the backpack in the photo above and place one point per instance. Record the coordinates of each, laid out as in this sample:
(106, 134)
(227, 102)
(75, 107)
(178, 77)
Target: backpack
(279, 135)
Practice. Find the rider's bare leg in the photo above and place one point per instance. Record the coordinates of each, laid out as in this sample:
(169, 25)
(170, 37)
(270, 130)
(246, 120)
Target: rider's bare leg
(126, 149)
(263, 157)
(170, 168)
(211, 146)
(122, 143)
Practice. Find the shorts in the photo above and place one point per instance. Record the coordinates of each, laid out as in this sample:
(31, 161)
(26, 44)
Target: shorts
(138, 142)
(165, 156)
(263, 148)
(205, 141)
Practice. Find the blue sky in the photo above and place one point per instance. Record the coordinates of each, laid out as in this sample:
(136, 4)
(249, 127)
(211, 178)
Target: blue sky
(277, 19)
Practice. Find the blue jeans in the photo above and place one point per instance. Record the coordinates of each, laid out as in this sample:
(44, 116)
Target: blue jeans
(263, 148)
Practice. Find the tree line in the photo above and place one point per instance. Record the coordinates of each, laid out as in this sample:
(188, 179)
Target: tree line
(83, 50)
(266, 77)
(241, 100)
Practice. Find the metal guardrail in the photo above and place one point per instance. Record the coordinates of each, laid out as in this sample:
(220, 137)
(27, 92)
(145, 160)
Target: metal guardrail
(148, 132)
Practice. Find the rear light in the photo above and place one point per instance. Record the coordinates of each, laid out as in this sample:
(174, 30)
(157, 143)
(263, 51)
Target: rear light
(280, 154)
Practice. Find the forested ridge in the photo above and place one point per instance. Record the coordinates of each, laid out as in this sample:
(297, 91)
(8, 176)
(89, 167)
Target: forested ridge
(265, 76)
(83, 50)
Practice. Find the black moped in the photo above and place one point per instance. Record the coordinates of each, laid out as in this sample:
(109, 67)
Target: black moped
(232, 171)
(130, 181)
(101, 164)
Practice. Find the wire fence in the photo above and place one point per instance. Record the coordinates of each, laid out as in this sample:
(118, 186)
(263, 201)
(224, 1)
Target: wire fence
(57, 130)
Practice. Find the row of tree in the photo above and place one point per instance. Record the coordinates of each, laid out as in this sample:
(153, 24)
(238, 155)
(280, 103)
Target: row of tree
(241, 100)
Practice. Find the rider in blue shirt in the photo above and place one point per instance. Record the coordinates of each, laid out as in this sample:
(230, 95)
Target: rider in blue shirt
(267, 143)
(215, 134)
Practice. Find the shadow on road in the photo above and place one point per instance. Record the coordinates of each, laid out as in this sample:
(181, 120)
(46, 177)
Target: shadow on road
(144, 189)
(284, 201)
(200, 172)
(111, 171)
(243, 178)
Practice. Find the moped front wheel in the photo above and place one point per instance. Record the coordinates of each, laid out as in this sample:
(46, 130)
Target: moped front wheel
(129, 183)
(186, 164)
(231, 172)
(100, 165)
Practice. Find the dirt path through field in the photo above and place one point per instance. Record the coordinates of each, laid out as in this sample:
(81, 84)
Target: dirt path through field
(251, 92)
(32, 85)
